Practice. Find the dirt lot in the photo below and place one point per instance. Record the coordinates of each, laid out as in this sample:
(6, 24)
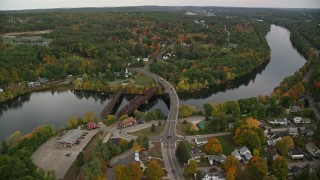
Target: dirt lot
(50, 157)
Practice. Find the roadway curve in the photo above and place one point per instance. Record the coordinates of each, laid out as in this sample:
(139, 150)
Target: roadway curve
(169, 134)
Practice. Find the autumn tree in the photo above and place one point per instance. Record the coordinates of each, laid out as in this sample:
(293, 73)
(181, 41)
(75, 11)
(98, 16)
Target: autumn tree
(72, 122)
(252, 123)
(154, 171)
(280, 168)
(257, 168)
(213, 146)
(123, 117)
(109, 120)
(133, 171)
(89, 116)
(191, 168)
(231, 173)
(231, 161)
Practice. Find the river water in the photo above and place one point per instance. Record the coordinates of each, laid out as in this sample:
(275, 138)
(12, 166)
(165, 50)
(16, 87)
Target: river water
(55, 107)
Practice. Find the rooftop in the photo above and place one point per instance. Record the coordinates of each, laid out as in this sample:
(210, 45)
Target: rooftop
(71, 136)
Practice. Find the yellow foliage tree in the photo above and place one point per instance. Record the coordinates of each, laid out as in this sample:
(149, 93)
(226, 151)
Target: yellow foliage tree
(213, 146)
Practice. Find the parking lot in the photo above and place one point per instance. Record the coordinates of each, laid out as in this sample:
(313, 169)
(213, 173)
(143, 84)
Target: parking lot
(51, 157)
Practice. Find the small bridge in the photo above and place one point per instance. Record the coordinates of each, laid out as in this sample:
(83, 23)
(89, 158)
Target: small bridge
(137, 101)
(109, 107)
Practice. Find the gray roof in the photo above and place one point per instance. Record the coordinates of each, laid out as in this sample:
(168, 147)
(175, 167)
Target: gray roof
(281, 120)
(71, 136)
(296, 152)
(293, 130)
(313, 147)
(235, 153)
(248, 155)
(243, 150)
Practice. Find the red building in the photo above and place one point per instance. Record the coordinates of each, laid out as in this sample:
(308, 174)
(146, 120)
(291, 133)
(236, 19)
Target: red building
(92, 125)
(127, 122)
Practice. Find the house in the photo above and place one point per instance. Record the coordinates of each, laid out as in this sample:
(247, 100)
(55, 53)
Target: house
(244, 151)
(136, 156)
(293, 132)
(230, 126)
(295, 109)
(145, 59)
(43, 80)
(236, 154)
(313, 149)
(272, 153)
(144, 155)
(273, 139)
(309, 130)
(211, 176)
(92, 125)
(216, 158)
(299, 120)
(1, 90)
(295, 154)
(281, 121)
(196, 156)
(201, 141)
(127, 122)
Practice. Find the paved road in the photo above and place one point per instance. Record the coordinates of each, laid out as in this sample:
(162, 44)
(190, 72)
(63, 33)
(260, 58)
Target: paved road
(169, 134)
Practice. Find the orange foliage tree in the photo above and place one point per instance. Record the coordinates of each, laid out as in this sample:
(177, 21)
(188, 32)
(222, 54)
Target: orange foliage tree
(213, 146)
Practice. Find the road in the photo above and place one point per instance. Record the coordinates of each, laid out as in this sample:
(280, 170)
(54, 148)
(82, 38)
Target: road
(207, 135)
(169, 135)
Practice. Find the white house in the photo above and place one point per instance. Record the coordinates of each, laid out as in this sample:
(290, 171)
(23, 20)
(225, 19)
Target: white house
(211, 176)
(297, 120)
(282, 121)
(136, 156)
(293, 131)
(145, 59)
(295, 154)
(1, 90)
(201, 141)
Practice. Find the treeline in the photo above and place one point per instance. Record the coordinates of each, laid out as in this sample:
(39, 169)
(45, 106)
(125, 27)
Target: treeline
(16, 151)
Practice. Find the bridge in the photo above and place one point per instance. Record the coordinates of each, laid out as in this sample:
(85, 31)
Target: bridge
(109, 107)
(137, 101)
(169, 135)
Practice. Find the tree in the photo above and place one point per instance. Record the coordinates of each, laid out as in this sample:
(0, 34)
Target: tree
(138, 114)
(213, 146)
(231, 173)
(72, 122)
(154, 171)
(109, 120)
(231, 161)
(257, 168)
(123, 117)
(89, 116)
(191, 168)
(282, 147)
(135, 171)
(4, 147)
(280, 168)
(92, 169)
(252, 122)
(316, 135)
(80, 159)
(143, 141)
(182, 152)
(246, 136)
(288, 140)
(153, 128)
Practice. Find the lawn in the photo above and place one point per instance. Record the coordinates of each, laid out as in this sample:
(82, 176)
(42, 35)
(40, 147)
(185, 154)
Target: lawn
(147, 131)
(155, 151)
(142, 80)
(181, 129)
(227, 144)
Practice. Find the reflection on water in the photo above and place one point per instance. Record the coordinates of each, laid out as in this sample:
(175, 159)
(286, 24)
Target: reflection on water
(28, 111)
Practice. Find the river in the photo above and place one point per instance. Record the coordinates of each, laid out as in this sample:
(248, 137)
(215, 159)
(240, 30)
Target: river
(55, 107)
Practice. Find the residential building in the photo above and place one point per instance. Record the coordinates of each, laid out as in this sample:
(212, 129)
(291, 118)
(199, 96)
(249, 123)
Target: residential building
(196, 156)
(136, 156)
(299, 120)
(295, 109)
(144, 155)
(293, 132)
(211, 176)
(281, 121)
(236, 154)
(244, 151)
(1, 90)
(127, 122)
(313, 149)
(201, 141)
(295, 154)
(216, 158)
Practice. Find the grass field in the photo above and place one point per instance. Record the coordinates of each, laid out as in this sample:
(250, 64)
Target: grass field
(147, 131)
(142, 80)
(227, 144)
